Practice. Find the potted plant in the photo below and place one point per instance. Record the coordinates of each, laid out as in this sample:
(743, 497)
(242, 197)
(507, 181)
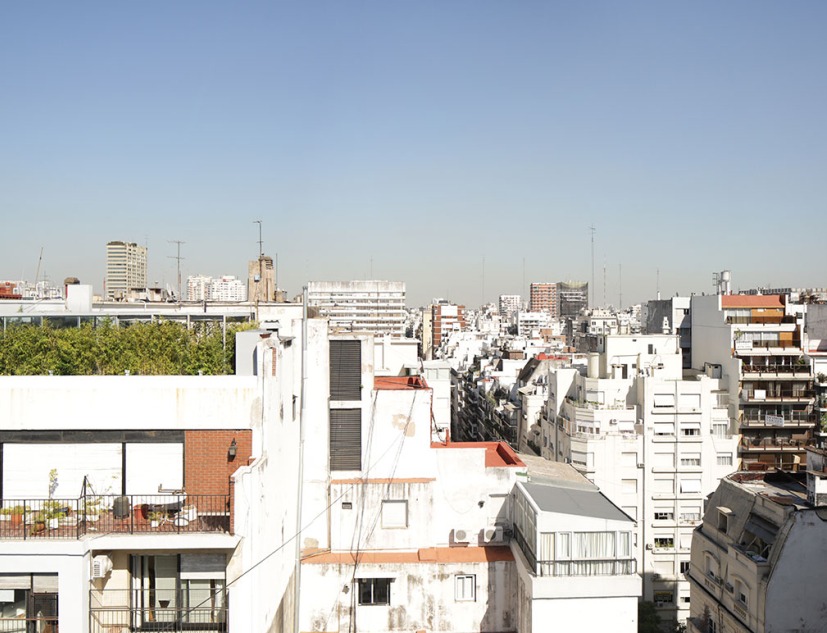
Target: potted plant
(155, 519)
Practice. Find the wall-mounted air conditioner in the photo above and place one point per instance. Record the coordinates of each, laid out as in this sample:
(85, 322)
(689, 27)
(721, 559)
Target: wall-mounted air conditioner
(462, 535)
(492, 535)
(101, 566)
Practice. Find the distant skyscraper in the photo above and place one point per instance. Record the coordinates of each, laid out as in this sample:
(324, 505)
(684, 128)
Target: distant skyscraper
(543, 298)
(125, 268)
(572, 296)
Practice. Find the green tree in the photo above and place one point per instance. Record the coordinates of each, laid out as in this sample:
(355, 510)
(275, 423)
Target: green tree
(158, 348)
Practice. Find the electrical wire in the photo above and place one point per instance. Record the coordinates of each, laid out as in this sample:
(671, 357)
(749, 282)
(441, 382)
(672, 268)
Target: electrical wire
(399, 440)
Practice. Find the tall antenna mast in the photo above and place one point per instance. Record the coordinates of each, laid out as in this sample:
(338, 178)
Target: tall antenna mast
(620, 284)
(593, 230)
(178, 258)
(260, 258)
(604, 282)
(482, 297)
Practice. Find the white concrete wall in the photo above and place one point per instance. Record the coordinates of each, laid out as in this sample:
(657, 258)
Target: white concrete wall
(128, 402)
(422, 597)
(795, 599)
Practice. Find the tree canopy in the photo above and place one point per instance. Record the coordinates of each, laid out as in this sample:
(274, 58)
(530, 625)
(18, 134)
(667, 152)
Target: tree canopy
(158, 348)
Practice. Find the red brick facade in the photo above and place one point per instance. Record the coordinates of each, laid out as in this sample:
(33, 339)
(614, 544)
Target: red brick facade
(207, 466)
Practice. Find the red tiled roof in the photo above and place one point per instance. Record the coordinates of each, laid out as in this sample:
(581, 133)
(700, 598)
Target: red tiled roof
(497, 454)
(425, 555)
(752, 301)
(399, 382)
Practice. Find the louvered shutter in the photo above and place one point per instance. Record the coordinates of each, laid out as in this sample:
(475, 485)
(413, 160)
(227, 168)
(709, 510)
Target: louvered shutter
(345, 439)
(345, 370)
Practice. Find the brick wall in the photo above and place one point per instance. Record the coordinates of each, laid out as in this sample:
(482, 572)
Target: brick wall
(207, 468)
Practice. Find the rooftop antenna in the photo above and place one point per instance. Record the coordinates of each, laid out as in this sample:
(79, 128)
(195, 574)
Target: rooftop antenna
(260, 257)
(482, 302)
(593, 230)
(604, 281)
(522, 290)
(37, 272)
(620, 284)
(178, 258)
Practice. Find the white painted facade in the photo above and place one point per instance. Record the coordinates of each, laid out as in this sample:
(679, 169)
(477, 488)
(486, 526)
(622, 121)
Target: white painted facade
(376, 307)
(656, 444)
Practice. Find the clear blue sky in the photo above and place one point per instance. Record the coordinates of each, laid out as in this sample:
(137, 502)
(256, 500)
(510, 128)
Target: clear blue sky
(411, 140)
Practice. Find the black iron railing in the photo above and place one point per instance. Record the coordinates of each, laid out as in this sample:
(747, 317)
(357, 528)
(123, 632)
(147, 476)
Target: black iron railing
(105, 514)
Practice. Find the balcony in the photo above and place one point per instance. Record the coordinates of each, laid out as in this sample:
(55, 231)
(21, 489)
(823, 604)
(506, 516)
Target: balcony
(760, 418)
(760, 320)
(113, 514)
(775, 372)
(795, 444)
(159, 610)
(778, 396)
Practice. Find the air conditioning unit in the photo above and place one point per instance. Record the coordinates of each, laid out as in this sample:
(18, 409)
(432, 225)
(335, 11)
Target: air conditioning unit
(613, 421)
(462, 535)
(101, 566)
(650, 546)
(641, 465)
(492, 535)
(729, 587)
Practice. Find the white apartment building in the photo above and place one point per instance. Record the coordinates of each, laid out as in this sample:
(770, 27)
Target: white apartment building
(374, 307)
(125, 268)
(509, 305)
(756, 342)
(529, 324)
(226, 288)
(653, 442)
(118, 517)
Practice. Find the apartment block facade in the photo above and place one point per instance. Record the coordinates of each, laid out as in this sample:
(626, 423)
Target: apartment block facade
(126, 268)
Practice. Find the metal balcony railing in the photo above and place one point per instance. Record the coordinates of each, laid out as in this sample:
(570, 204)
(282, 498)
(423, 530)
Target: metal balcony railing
(107, 514)
(197, 620)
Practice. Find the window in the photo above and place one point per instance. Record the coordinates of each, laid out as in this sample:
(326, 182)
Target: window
(690, 431)
(741, 591)
(345, 439)
(628, 486)
(720, 429)
(664, 515)
(691, 514)
(691, 485)
(711, 626)
(374, 591)
(345, 370)
(664, 597)
(684, 567)
(691, 459)
(664, 400)
(664, 541)
(180, 590)
(394, 514)
(723, 519)
(724, 459)
(465, 587)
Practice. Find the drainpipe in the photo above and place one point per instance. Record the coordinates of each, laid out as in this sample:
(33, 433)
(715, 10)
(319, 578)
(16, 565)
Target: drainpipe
(302, 418)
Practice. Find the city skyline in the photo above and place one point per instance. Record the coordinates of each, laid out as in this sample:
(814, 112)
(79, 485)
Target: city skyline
(462, 148)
